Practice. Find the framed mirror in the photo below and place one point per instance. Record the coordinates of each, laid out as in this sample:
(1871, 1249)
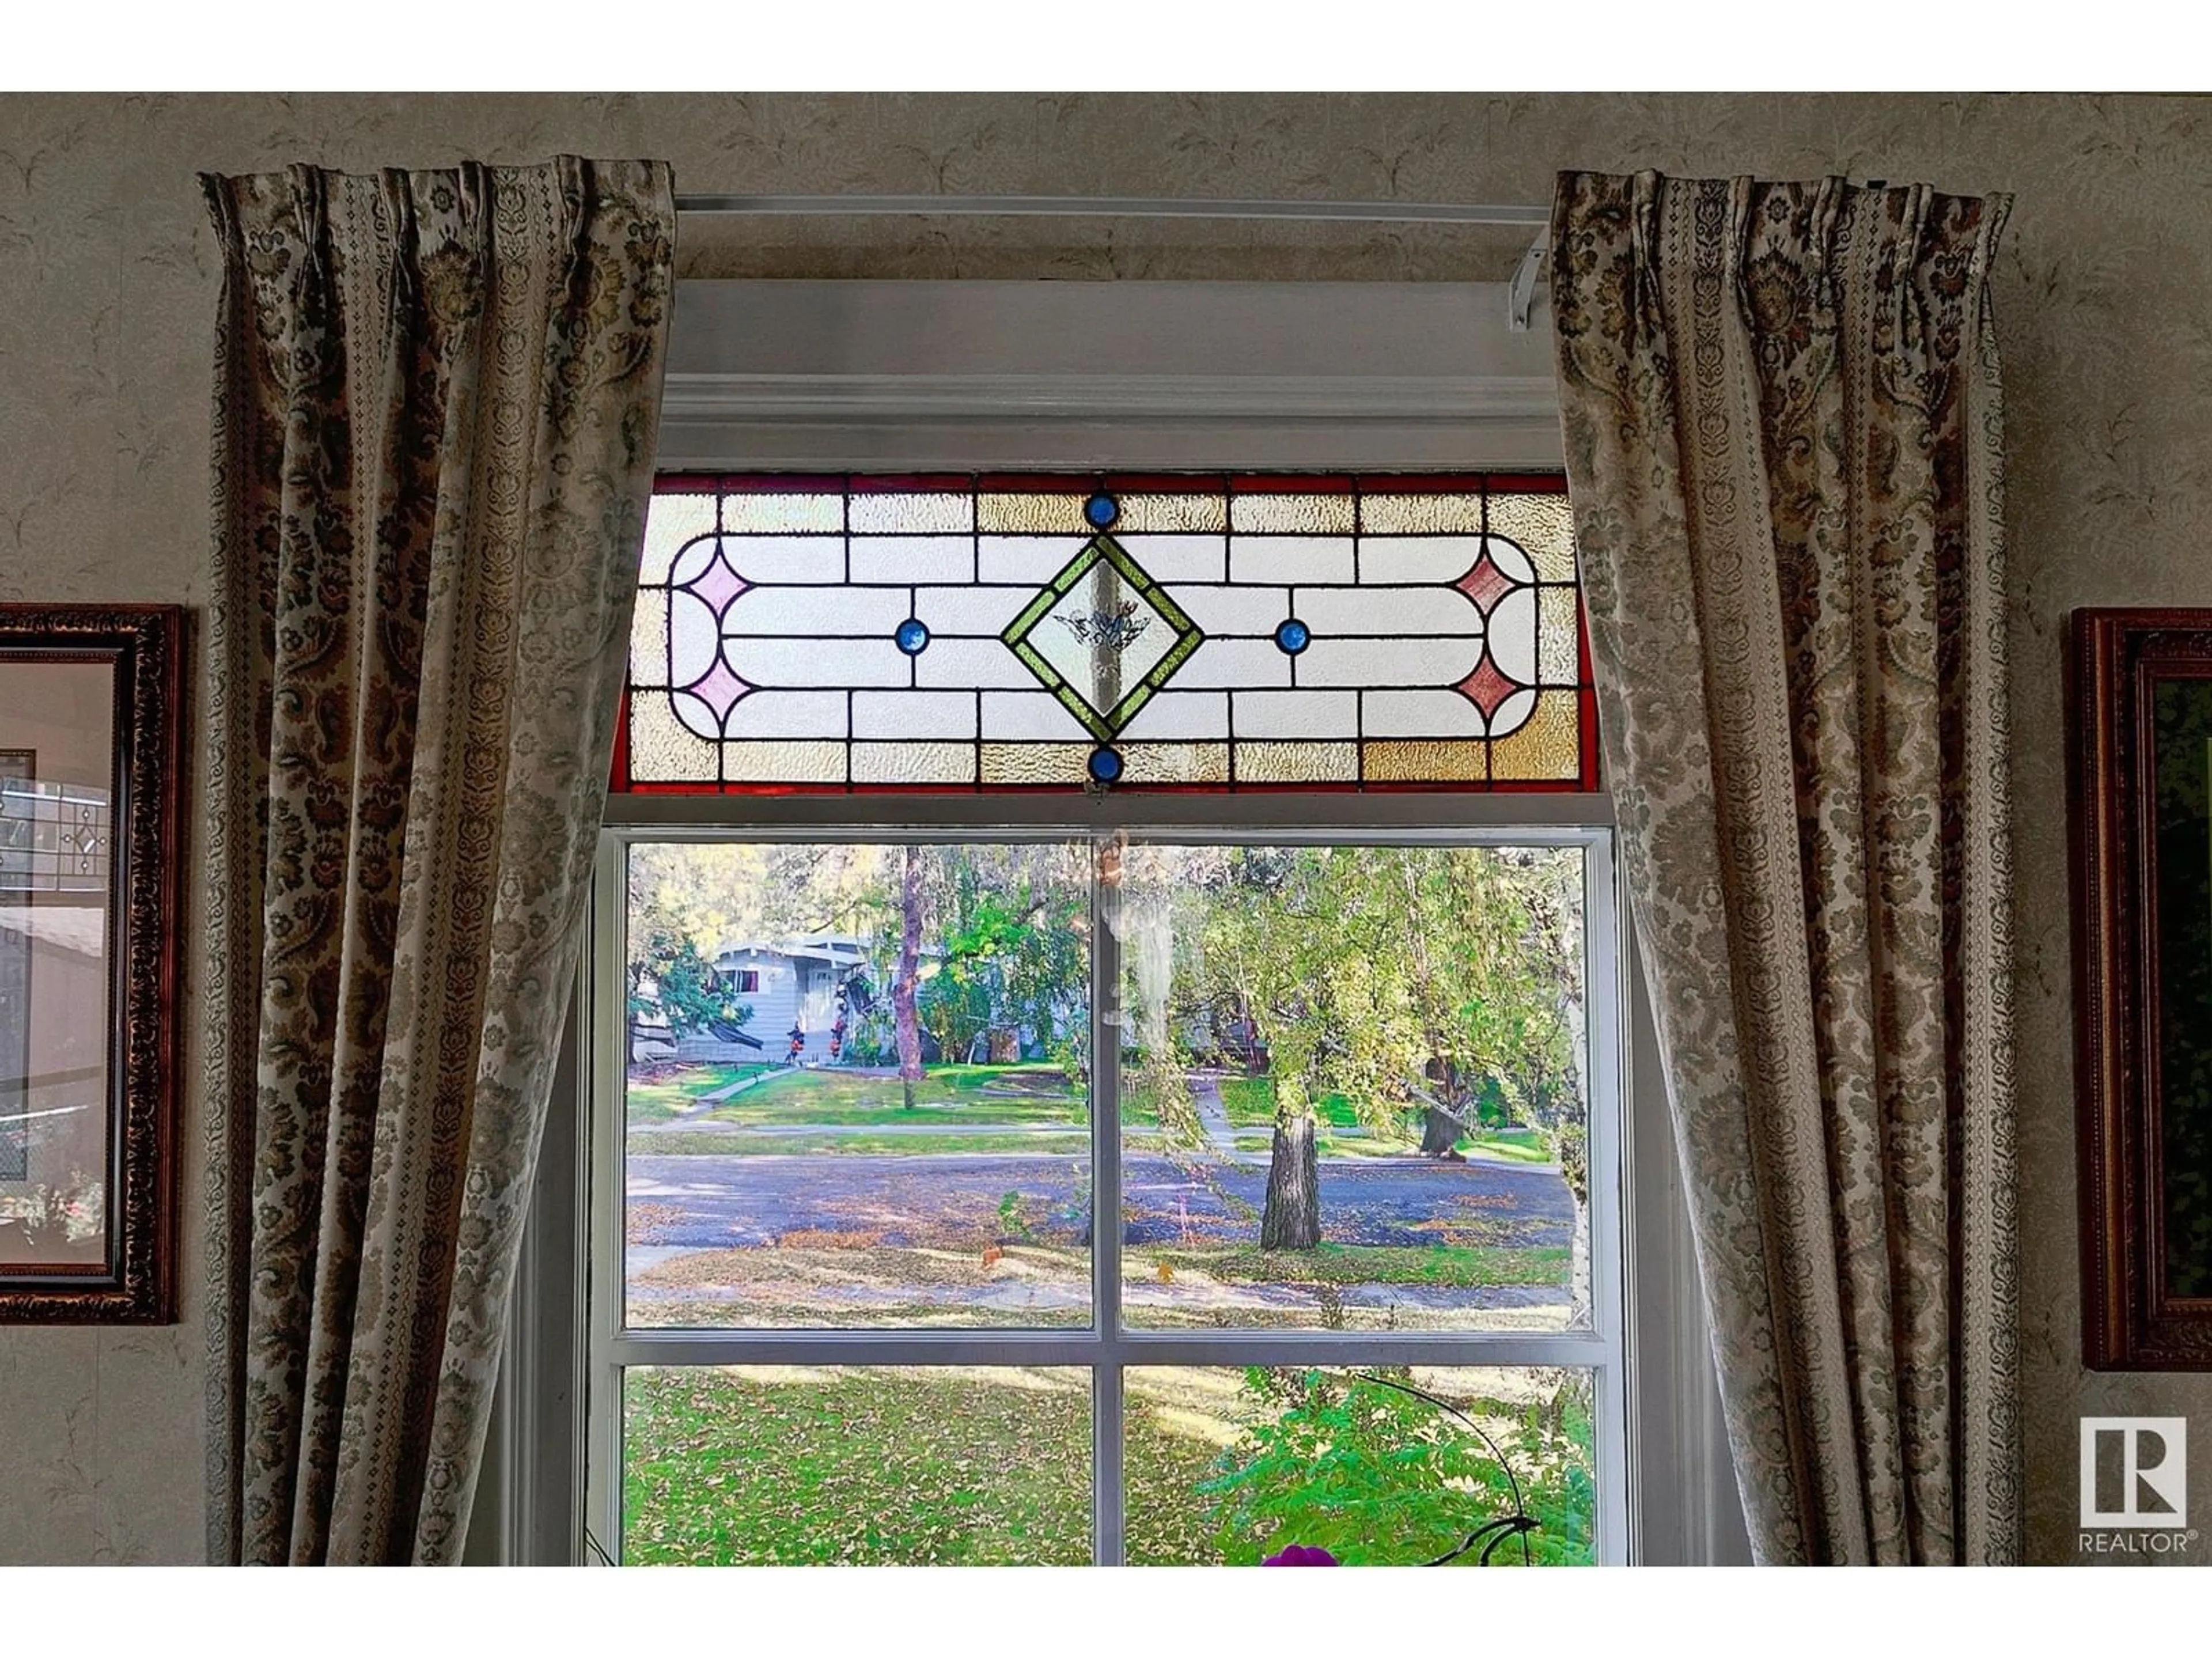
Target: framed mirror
(88, 989)
(2140, 700)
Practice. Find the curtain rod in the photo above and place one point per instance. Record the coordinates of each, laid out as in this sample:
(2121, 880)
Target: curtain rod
(1118, 207)
(1521, 292)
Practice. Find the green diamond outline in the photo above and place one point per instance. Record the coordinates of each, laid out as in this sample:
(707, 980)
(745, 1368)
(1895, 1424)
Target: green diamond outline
(1188, 636)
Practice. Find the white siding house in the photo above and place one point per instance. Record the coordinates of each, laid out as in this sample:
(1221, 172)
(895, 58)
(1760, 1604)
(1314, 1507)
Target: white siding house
(795, 982)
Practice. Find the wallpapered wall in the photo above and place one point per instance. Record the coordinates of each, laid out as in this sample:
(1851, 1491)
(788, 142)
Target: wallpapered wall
(2104, 297)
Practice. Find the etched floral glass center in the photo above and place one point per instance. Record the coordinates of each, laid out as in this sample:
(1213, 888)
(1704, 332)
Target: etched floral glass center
(1102, 637)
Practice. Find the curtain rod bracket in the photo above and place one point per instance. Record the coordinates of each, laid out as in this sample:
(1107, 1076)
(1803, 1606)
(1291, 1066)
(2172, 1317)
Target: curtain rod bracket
(1521, 292)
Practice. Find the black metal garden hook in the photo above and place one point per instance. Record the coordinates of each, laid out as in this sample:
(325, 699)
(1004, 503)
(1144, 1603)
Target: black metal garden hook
(1519, 1524)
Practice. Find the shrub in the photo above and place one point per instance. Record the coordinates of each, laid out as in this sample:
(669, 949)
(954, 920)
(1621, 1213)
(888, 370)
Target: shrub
(1377, 1476)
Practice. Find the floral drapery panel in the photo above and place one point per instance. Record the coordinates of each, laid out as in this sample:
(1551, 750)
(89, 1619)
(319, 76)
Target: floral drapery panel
(1783, 443)
(437, 394)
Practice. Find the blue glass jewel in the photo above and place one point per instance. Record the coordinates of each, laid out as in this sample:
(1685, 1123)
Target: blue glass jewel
(1292, 637)
(1100, 510)
(912, 635)
(1105, 764)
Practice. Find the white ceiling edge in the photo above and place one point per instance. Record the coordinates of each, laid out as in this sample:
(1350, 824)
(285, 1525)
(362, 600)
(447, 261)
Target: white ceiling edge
(991, 375)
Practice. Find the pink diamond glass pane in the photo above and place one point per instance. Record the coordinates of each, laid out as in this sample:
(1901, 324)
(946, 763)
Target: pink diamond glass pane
(1485, 688)
(718, 585)
(1485, 584)
(719, 690)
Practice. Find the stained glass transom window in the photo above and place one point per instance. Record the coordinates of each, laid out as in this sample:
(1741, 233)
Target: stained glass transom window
(1185, 631)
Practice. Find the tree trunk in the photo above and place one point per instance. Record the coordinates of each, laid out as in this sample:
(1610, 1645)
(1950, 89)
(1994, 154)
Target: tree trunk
(1442, 1125)
(910, 968)
(1292, 1219)
(1439, 1132)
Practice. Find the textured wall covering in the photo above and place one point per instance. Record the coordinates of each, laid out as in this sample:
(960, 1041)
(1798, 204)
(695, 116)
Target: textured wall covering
(2104, 300)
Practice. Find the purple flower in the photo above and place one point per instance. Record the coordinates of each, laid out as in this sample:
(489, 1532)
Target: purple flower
(1301, 1555)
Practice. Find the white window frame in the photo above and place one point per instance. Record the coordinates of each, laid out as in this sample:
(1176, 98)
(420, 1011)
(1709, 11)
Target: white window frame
(1107, 1347)
(989, 376)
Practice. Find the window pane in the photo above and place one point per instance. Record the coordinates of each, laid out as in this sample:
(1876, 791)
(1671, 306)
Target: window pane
(1262, 630)
(857, 1091)
(803, 1466)
(1229, 1467)
(1353, 1090)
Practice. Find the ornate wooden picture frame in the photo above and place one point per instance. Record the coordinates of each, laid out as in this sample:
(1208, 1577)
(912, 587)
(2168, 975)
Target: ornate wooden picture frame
(89, 751)
(2140, 698)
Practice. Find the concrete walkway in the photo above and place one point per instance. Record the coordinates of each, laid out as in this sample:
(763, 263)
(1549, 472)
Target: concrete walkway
(715, 1098)
(1213, 1118)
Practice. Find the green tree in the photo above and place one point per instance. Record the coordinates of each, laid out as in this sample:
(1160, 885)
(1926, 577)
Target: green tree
(1445, 980)
(669, 975)
(681, 902)
(1011, 924)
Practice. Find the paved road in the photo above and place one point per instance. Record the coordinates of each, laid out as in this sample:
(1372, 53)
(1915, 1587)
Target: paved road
(708, 1201)
(715, 1127)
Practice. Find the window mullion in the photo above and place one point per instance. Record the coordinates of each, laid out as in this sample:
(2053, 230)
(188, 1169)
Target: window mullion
(1108, 1509)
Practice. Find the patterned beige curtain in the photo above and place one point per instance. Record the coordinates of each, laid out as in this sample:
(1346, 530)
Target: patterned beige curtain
(436, 400)
(1784, 441)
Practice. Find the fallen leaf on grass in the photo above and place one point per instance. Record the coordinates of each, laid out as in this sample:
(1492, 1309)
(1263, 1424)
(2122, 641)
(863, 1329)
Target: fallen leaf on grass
(818, 1238)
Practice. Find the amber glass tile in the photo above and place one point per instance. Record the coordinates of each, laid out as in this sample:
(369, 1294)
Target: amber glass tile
(671, 521)
(1544, 528)
(1035, 762)
(662, 748)
(1419, 761)
(1146, 514)
(1024, 513)
(1546, 748)
(1297, 762)
(1434, 513)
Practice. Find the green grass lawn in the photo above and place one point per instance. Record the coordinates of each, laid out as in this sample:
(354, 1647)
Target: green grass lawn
(979, 1098)
(1493, 1144)
(1250, 1104)
(1515, 1146)
(656, 1101)
(1362, 1264)
(960, 1096)
(937, 1466)
(841, 1467)
(941, 1467)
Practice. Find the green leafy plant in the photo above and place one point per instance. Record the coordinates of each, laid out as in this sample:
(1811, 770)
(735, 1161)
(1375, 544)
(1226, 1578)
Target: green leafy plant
(1373, 1471)
(1014, 1219)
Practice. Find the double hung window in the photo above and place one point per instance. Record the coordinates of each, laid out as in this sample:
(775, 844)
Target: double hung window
(1105, 1029)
